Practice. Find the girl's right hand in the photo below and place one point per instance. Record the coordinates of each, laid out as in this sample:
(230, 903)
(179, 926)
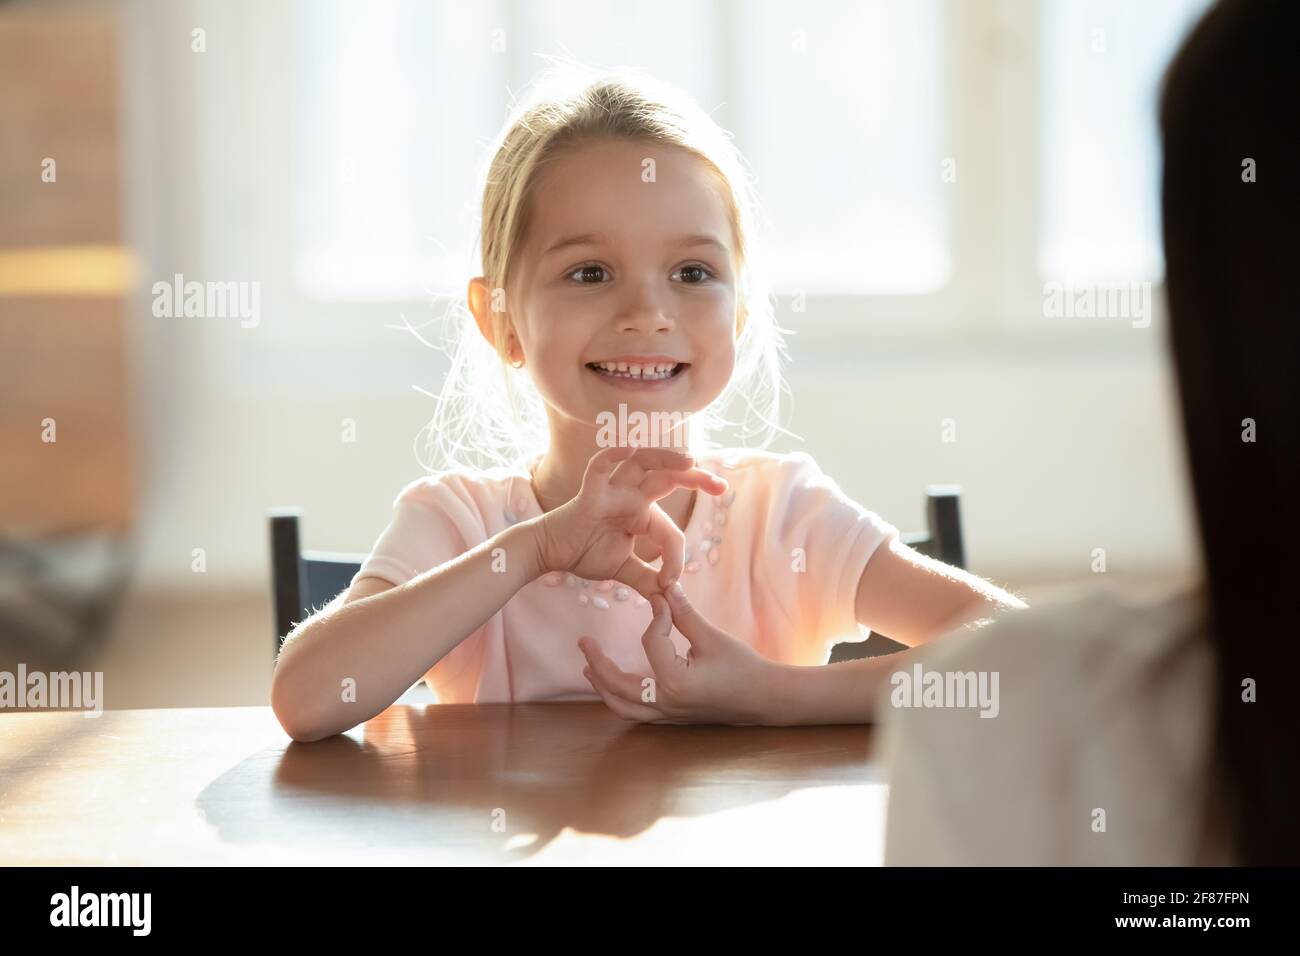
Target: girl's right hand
(594, 534)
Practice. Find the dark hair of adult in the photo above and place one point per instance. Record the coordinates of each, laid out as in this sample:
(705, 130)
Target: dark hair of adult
(1230, 202)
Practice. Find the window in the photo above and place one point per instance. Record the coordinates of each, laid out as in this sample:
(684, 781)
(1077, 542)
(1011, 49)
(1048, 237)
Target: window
(1101, 62)
(840, 109)
(837, 106)
(395, 104)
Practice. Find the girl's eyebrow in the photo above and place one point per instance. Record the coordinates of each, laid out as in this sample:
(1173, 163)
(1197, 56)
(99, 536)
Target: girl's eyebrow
(702, 240)
(587, 239)
(590, 239)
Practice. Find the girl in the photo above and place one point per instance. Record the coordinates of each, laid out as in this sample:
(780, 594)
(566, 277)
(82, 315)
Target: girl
(620, 283)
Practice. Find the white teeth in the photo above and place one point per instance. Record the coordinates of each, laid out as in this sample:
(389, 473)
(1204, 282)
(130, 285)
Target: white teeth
(649, 371)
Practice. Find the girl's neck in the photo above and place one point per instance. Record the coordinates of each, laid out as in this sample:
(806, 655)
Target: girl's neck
(557, 475)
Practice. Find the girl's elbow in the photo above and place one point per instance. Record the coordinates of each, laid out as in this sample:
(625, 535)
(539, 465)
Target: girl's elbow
(291, 709)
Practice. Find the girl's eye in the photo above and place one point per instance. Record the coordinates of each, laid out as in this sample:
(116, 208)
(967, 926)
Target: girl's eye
(693, 274)
(589, 274)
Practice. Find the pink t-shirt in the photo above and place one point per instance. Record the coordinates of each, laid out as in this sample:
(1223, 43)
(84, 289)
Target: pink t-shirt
(775, 562)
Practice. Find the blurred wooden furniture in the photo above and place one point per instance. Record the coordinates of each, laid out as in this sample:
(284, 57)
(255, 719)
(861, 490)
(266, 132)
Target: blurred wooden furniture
(302, 580)
(943, 540)
(455, 783)
(64, 273)
(65, 279)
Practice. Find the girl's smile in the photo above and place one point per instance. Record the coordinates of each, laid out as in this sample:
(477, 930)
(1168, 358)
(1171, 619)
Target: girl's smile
(640, 372)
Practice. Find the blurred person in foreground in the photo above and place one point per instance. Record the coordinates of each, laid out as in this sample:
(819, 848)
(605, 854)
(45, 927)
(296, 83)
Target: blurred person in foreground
(1169, 723)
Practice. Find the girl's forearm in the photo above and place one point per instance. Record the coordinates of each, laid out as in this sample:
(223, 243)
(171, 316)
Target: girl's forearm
(843, 693)
(384, 643)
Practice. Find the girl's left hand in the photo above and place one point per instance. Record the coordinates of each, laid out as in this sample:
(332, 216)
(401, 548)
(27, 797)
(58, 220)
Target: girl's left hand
(722, 680)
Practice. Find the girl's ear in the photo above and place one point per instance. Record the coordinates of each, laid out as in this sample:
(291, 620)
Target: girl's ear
(514, 352)
(480, 299)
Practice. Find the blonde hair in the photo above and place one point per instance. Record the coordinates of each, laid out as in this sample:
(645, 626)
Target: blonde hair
(478, 425)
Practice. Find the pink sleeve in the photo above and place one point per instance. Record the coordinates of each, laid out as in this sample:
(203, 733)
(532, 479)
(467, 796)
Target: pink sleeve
(431, 524)
(821, 541)
(434, 520)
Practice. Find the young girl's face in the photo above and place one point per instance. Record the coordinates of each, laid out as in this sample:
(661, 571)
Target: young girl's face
(619, 267)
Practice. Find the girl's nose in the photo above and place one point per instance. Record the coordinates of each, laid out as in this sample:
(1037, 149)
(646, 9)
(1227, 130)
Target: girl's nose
(645, 310)
(646, 321)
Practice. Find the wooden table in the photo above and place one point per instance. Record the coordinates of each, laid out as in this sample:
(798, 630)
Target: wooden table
(555, 783)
